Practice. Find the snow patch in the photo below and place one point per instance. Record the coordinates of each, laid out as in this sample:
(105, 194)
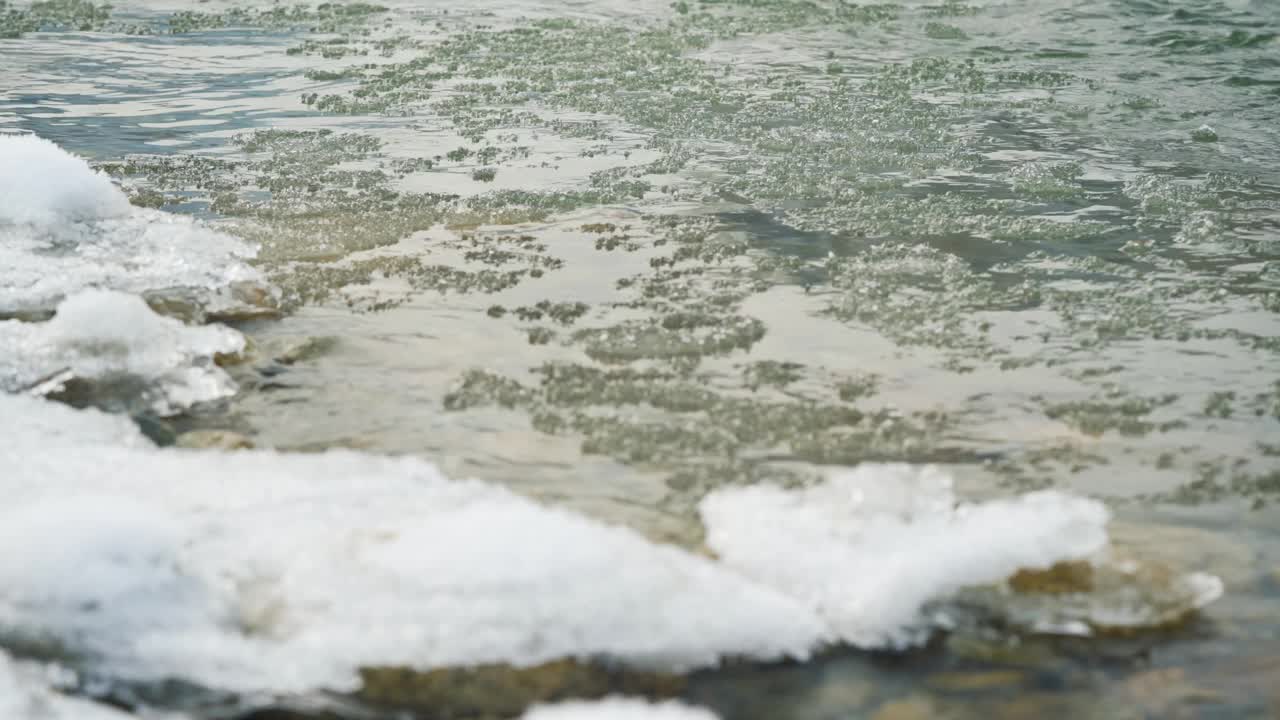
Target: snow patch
(106, 336)
(42, 185)
(27, 692)
(262, 571)
(869, 548)
(64, 228)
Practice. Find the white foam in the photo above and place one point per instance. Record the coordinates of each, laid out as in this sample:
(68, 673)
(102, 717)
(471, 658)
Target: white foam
(255, 571)
(27, 692)
(64, 227)
(102, 335)
(618, 709)
(871, 547)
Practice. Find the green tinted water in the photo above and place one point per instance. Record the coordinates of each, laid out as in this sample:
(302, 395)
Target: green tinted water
(615, 255)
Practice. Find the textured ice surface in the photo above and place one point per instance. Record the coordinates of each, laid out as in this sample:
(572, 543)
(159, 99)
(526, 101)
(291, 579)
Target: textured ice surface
(618, 709)
(268, 571)
(43, 186)
(27, 693)
(870, 547)
(45, 429)
(64, 228)
(109, 337)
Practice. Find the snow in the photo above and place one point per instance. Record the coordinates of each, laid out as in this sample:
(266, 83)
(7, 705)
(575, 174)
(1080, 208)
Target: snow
(263, 571)
(64, 228)
(27, 693)
(253, 571)
(616, 708)
(42, 185)
(107, 336)
(46, 428)
(871, 547)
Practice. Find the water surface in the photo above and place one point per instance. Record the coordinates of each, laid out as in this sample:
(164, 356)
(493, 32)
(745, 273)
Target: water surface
(617, 255)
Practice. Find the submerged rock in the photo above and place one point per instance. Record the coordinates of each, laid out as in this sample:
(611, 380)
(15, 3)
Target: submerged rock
(213, 440)
(1236, 681)
(1163, 690)
(240, 302)
(505, 690)
(1109, 594)
(1205, 134)
(977, 681)
(292, 350)
(618, 709)
(30, 691)
(874, 548)
(1059, 578)
(911, 708)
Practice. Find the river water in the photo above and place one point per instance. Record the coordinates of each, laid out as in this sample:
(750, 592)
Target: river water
(616, 257)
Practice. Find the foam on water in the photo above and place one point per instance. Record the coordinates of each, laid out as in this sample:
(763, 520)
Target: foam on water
(64, 227)
(105, 336)
(267, 571)
(618, 709)
(871, 547)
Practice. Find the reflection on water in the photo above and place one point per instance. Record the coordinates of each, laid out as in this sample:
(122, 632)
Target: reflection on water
(617, 255)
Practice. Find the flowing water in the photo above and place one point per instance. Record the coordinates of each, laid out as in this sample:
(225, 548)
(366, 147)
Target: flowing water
(617, 257)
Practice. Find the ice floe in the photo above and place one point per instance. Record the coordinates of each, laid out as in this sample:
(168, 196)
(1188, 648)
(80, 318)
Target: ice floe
(64, 228)
(113, 340)
(28, 692)
(871, 547)
(259, 570)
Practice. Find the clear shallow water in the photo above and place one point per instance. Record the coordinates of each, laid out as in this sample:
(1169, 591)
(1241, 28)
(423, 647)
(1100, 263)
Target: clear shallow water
(1036, 242)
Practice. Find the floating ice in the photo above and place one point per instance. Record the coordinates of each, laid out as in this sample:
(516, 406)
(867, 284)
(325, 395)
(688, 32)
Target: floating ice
(265, 571)
(41, 185)
(254, 571)
(618, 709)
(27, 693)
(111, 338)
(64, 228)
(869, 548)
(46, 428)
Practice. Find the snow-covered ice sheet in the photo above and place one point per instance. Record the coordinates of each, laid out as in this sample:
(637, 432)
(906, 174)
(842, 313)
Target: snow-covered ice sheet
(288, 572)
(111, 337)
(267, 571)
(870, 547)
(64, 228)
(27, 692)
